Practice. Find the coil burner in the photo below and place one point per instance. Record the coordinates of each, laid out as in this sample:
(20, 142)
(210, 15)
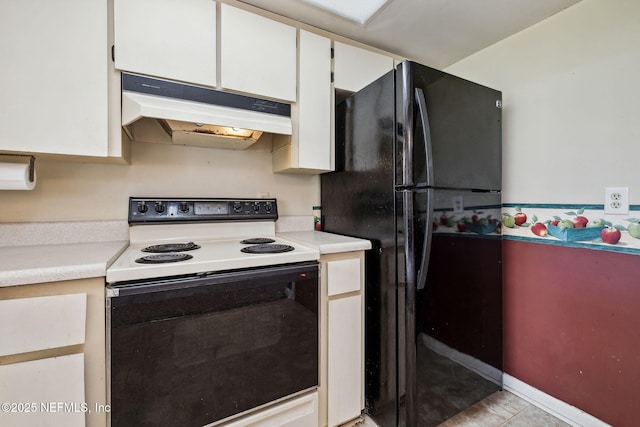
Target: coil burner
(163, 258)
(171, 247)
(267, 249)
(257, 241)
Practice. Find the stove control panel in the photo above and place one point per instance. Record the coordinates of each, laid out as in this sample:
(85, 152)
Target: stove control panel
(150, 210)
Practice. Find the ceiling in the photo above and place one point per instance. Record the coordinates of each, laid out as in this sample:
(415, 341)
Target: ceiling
(437, 33)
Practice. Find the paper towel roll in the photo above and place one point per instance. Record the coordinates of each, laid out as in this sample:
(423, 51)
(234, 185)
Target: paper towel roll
(15, 176)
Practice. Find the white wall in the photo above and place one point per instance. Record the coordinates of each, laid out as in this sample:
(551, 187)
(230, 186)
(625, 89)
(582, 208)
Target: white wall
(571, 118)
(68, 191)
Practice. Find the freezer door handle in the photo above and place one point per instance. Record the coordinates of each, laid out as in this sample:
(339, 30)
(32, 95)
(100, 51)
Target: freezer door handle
(424, 119)
(426, 243)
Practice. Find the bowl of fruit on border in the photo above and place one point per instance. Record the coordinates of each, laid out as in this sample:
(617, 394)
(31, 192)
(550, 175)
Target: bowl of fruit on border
(579, 229)
(482, 226)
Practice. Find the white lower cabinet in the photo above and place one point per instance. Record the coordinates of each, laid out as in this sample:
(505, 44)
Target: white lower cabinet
(52, 354)
(344, 359)
(298, 412)
(342, 364)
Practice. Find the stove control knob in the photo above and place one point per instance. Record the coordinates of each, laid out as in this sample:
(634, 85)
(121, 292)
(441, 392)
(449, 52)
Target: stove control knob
(160, 207)
(184, 207)
(237, 208)
(256, 207)
(268, 207)
(142, 207)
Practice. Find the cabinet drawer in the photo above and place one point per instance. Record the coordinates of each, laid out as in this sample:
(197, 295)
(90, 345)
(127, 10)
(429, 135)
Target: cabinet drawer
(343, 276)
(45, 383)
(299, 412)
(40, 323)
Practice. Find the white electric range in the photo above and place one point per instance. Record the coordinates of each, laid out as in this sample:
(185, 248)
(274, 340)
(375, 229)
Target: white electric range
(205, 300)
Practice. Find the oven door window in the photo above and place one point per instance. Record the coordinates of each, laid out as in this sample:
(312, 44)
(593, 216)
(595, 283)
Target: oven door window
(192, 352)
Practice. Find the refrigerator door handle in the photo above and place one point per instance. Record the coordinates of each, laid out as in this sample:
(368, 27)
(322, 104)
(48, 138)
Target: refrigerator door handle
(424, 118)
(426, 244)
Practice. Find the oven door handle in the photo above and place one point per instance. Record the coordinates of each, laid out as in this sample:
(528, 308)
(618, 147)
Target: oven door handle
(290, 272)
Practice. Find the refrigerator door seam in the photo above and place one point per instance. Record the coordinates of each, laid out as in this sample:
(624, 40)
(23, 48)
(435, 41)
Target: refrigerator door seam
(411, 392)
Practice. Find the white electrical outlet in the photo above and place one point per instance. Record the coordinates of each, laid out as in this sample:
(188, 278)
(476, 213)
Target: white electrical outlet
(458, 204)
(616, 200)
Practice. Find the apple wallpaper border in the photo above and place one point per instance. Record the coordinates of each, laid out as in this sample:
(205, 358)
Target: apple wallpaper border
(571, 225)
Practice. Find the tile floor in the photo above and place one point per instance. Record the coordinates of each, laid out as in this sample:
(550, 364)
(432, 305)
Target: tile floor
(501, 409)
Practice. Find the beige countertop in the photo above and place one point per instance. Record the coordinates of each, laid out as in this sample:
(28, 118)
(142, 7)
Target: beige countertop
(327, 243)
(50, 252)
(21, 265)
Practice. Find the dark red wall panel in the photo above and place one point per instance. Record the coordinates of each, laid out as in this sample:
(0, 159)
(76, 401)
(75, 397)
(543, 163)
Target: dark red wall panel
(572, 326)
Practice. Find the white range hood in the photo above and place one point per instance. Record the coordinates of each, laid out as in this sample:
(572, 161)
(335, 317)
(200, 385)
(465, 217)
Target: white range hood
(155, 110)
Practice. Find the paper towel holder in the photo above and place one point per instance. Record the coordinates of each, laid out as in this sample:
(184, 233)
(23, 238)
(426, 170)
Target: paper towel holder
(32, 164)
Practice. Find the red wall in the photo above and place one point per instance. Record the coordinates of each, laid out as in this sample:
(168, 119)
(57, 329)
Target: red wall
(572, 326)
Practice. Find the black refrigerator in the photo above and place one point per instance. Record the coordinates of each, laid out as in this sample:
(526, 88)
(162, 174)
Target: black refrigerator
(418, 173)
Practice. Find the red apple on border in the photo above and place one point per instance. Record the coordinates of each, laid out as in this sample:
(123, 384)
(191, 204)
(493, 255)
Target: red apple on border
(580, 221)
(520, 218)
(610, 235)
(539, 229)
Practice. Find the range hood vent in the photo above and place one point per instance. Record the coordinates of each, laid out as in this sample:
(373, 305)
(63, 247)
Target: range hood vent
(153, 109)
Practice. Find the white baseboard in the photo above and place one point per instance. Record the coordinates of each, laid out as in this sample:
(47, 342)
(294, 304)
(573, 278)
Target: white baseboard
(556, 407)
(471, 363)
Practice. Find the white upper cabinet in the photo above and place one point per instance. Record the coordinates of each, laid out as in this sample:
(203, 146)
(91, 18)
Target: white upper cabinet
(354, 67)
(167, 38)
(314, 102)
(308, 150)
(257, 54)
(55, 77)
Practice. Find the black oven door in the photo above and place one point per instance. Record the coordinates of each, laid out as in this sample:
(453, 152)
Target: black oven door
(194, 350)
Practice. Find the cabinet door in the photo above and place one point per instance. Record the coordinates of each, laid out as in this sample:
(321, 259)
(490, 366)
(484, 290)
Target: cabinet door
(314, 102)
(344, 359)
(165, 38)
(55, 83)
(257, 55)
(354, 68)
(309, 149)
